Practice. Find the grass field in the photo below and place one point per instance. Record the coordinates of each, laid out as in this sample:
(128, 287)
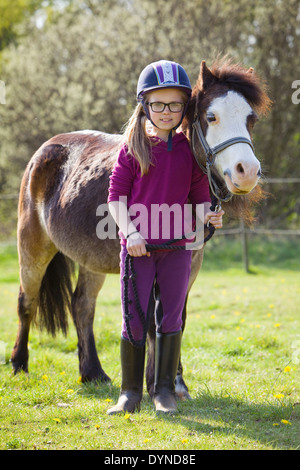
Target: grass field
(240, 352)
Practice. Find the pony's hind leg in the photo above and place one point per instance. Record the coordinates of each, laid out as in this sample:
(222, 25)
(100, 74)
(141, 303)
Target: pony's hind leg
(26, 312)
(32, 270)
(83, 311)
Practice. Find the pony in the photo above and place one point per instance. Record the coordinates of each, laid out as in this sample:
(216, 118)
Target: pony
(66, 182)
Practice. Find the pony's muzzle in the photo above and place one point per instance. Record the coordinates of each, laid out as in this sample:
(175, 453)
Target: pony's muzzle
(243, 177)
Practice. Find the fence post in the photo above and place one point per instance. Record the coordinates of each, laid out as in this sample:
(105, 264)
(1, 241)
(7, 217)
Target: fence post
(244, 241)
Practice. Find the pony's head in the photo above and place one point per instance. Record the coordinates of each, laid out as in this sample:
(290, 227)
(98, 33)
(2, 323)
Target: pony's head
(226, 101)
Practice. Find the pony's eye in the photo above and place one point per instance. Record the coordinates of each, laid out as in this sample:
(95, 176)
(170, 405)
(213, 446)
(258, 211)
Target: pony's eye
(210, 117)
(252, 119)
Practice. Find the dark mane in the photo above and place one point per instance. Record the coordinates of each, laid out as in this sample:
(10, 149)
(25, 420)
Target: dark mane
(244, 81)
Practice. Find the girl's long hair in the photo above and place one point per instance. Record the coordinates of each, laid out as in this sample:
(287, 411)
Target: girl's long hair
(137, 139)
(137, 136)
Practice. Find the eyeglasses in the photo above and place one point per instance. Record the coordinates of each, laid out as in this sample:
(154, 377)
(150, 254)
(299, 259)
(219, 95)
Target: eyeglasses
(174, 107)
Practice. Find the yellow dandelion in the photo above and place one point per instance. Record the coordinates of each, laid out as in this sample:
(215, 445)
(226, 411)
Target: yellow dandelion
(127, 416)
(146, 440)
(70, 390)
(245, 290)
(278, 395)
(277, 325)
(97, 426)
(271, 306)
(269, 315)
(213, 316)
(62, 373)
(184, 441)
(57, 420)
(237, 313)
(108, 400)
(240, 338)
(287, 369)
(285, 421)
(79, 380)
(242, 320)
(45, 377)
(275, 424)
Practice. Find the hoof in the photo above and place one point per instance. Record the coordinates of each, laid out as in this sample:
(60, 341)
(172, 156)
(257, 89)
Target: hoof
(17, 368)
(102, 377)
(181, 389)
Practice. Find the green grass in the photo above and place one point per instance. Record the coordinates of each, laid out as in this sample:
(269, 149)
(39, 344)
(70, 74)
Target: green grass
(241, 355)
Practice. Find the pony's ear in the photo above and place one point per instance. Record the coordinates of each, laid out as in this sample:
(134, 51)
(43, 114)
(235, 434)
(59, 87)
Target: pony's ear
(205, 76)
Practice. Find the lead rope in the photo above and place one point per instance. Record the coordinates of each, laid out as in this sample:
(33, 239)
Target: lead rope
(129, 265)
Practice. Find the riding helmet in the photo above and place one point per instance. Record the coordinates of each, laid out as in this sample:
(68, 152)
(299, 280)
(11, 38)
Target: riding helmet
(163, 74)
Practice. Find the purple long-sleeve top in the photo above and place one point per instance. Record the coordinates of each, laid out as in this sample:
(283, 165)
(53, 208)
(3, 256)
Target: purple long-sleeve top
(156, 200)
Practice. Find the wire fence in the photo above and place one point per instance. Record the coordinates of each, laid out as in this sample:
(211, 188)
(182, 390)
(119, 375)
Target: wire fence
(242, 231)
(245, 232)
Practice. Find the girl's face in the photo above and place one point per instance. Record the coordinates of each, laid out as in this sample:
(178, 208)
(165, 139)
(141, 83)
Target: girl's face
(166, 120)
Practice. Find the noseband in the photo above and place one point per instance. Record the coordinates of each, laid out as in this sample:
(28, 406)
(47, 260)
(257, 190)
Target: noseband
(210, 156)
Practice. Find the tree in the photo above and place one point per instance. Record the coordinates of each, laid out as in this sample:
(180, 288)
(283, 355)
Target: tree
(12, 14)
(80, 70)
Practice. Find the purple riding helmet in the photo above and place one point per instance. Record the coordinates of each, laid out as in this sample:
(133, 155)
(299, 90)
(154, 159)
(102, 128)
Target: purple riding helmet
(163, 74)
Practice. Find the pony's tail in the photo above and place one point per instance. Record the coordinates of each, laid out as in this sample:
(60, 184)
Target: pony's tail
(55, 295)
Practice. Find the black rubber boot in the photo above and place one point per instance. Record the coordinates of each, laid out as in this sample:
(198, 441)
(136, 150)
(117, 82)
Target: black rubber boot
(132, 364)
(167, 352)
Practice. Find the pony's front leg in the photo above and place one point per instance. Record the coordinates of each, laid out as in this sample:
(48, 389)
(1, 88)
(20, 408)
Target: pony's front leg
(83, 311)
(181, 389)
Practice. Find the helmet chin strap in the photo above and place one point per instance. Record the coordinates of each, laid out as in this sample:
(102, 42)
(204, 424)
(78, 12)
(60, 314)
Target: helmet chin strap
(173, 129)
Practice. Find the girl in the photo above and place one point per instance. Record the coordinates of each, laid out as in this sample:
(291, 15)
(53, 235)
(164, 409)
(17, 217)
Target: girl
(156, 169)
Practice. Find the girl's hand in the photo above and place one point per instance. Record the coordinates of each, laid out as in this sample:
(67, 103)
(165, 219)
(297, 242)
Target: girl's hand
(214, 218)
(136, 245)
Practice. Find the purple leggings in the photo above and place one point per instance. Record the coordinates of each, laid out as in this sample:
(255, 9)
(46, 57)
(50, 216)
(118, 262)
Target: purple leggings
(170, 270)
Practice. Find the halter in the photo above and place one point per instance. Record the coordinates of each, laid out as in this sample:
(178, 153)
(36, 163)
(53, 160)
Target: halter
(210, 154)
